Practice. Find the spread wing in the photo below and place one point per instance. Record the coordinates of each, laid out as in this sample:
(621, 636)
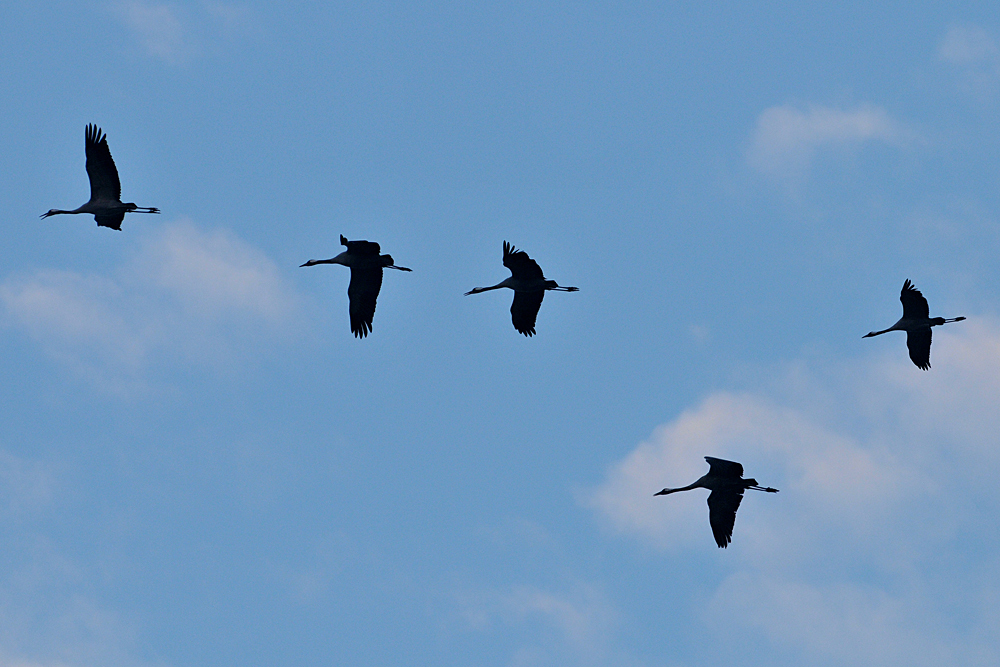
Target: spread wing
(524, 309)
(104, 183)
(361, 248)
(722, 506)
(919, 345)
(914, 303)
(521, 266)
(724, 468)
(366, 281)
(112, 220)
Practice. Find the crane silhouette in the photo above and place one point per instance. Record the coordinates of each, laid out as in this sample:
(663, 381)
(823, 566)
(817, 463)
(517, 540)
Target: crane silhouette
(529, 285)
(105, 188)
(725, 480)
(917, 325)
(366, 264)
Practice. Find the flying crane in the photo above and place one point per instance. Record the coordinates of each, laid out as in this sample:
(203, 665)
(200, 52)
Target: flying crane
(529, 285)
(726, 483)
(105, 188)
(917, 325)
(366, 264)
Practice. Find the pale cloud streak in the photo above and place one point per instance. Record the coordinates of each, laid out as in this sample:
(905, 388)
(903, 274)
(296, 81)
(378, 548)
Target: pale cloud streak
(975, 54)
(786, 139)
(582, 619)
(158, 27)
(188, 294)
(175, 35)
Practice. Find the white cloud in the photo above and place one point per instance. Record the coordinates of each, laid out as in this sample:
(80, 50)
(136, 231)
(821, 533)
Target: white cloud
(786, 139)
(841, 623)
(969, 44)
(575, 626)
(47, 618)
(188, 293)
(975, 54)
(886, 520)
(176, 35)
(158, 27)
(214, 275)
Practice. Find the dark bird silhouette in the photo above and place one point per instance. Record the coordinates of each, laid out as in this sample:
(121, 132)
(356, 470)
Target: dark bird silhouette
(529, 285)
(725, 480)
(917, 325)
(105, 188)
(366, 264)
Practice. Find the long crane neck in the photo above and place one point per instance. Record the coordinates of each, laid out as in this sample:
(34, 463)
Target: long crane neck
(689, 487)
(342, 259)
(59, 211)
(477, 290)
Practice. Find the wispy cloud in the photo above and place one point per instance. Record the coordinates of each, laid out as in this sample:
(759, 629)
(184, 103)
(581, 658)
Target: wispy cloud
(975, 54)
(188, 293)
(177, 34)
(49, 618)
(158, 27)
(856, 560)
(786, 139)
(582, 619)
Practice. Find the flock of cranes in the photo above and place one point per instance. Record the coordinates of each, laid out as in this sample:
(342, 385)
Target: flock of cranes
(364, 259)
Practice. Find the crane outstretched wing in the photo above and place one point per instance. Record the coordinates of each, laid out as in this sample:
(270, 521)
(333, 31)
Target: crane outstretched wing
(722, 506)
(521, 266)
(104, 183)
(524, 310)
(724, 468)
(366, 281)
(112, 220)
(914, 303)
(919, 345)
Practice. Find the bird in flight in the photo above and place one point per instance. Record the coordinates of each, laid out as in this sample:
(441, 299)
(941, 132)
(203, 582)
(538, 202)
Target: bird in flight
(725, 480)
(529, 285)
(105, 188)
(916, 324)
(366, 264)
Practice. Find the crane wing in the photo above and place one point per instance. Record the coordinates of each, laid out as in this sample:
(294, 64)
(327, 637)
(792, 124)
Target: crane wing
(112, 220)
(724, 468)
(366, 281)
(104, 183)
(524, 310)
(722, 506)
(919, 345)
(521, 266)
(914, 303)
(361, 248)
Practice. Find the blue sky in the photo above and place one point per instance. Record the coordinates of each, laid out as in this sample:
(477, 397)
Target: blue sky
(199, 465)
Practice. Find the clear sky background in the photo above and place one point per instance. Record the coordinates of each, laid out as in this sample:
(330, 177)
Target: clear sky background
(199, 465)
